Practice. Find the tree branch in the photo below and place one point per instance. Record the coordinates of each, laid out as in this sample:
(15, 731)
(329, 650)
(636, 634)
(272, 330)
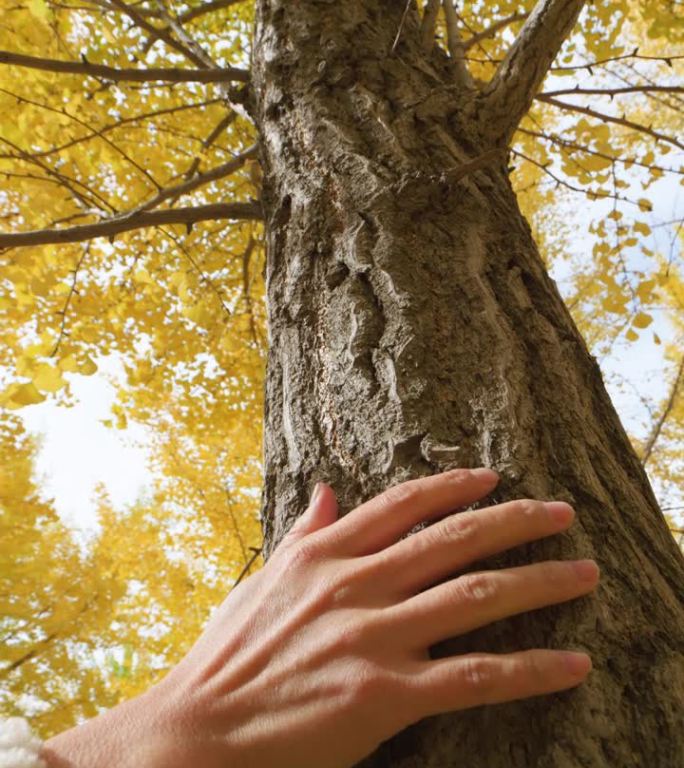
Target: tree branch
(568, 144)
(245, 570)
(159, 33)
(665, 58)
(109, 127)
(246, 286)
(509, 94)
(64, 112)
(72, 290)
(401, 25)
(589, 193)
(429, 24)
(455, 45)
(27, 656)
(195, 13)
(615, 91)
(611, 119)
(202, 58)
(184, 43)
(660, 423)
(228, 74)
(196, 181)
(493, 29)
(203, 276)
(86, 201)
(114, 226)
(218, 129)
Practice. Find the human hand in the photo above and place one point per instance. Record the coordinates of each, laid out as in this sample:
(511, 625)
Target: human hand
(322, 655)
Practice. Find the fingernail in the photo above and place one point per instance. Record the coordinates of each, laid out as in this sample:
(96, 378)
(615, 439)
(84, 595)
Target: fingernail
(586, 570)
(484, 473)
(577, 664)
(316, 494)
(560, 512)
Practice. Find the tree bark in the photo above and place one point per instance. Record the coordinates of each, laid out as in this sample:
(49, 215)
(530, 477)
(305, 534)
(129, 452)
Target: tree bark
(413, 328)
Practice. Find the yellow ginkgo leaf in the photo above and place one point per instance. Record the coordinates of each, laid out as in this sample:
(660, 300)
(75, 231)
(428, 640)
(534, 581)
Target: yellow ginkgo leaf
(87, 367)
(143, 276)
(642, 320)
(26, 394)
(38, 9)
(69, 364)
(645, 289)
(48, 379)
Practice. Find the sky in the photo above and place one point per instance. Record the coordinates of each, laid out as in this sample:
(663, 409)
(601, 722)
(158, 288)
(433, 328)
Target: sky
(78, 451)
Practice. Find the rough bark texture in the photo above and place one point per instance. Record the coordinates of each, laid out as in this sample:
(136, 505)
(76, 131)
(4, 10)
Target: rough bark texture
(413, 328)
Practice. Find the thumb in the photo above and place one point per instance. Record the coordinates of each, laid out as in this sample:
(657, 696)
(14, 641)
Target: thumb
(321, 512)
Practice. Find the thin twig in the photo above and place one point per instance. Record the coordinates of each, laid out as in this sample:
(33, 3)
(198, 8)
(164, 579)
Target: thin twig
(401, 26)
(257, 552)
(218, 129)
(615, 91)
(72, 291)
(110, 126)
(610, 119)
(560, 141)
(115, 147)
(592, 194)
(199, 180)
(666, 59)
(196, 13)
(667, 410)
(203, 275)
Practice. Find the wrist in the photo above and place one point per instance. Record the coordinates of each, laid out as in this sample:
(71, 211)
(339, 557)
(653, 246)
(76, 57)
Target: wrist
(130, 734)
(153, 730)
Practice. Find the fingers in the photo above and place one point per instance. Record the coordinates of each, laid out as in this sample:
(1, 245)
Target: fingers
(382, 520)
(321, 512)
(463, 538)
(467, 681)
(477, 599)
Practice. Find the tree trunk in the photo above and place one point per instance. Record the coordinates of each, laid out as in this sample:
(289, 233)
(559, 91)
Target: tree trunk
(413, 328)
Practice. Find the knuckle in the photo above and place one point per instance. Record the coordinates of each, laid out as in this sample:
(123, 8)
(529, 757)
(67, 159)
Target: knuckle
(477, 674)
(460, 477)
(458, 528)
(475, 588)
(302, 554)
(402, 494)
(530, 508)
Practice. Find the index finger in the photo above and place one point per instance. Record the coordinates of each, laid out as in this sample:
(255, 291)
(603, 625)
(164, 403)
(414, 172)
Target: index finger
(381, 521)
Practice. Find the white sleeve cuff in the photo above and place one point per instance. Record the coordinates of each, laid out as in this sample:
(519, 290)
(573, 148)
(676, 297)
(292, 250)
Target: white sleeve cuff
(19, 748)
